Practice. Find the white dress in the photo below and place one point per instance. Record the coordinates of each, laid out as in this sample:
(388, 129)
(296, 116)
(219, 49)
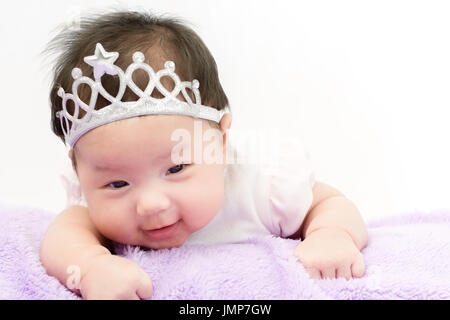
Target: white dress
(259, 199)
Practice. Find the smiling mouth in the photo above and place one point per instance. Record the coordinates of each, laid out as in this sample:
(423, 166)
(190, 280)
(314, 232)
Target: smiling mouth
(162, 233)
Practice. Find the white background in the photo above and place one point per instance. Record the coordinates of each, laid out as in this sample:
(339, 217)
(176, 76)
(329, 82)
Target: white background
(366, 85)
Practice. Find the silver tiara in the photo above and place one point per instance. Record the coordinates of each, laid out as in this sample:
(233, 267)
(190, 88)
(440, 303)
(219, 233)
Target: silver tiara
(103, 62)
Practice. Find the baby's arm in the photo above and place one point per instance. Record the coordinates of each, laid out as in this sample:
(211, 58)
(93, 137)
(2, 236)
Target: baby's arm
(333, 234)
(75, 253)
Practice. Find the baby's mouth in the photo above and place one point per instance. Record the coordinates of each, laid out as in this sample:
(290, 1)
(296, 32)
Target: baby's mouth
(163, 232)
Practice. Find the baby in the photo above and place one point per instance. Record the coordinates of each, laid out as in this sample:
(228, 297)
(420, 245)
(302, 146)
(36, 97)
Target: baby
(138, 83)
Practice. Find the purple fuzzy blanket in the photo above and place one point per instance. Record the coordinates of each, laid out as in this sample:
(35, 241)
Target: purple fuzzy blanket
(408, 257)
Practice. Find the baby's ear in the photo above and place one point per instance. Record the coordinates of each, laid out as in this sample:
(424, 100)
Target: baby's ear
(225, 122)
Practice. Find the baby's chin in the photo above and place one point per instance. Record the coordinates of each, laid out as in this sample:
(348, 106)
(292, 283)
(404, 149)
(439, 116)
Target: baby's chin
(164, 244)
(173, 242)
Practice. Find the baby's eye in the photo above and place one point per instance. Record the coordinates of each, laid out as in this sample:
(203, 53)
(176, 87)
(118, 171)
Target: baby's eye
(177, 168)
(117, 184)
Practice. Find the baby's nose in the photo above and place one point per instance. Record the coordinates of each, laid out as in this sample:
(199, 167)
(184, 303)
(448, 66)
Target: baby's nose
(151, 203)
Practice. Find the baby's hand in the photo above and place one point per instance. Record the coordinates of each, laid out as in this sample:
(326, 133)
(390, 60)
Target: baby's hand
(330, 253)
(112, 277)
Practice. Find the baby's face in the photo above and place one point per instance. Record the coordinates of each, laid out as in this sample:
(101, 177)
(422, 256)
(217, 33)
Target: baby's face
(135, 193)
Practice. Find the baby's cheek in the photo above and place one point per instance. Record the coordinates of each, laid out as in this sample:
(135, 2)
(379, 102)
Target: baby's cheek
(203, 207)
(113, 225)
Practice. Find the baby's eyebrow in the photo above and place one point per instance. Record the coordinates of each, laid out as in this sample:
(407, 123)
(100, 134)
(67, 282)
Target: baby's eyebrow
(104, 168)
(101, 167)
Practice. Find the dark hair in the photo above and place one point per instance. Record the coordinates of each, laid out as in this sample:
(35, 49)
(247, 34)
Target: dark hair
(159, 38)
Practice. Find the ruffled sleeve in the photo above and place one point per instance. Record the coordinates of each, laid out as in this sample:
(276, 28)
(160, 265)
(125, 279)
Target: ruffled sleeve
(290, 183)
(72, 186)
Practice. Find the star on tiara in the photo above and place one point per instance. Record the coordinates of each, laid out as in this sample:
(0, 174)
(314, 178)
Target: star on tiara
(103, 62)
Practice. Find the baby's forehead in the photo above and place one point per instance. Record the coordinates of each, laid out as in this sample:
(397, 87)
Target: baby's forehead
(148, 126)
(147, 136)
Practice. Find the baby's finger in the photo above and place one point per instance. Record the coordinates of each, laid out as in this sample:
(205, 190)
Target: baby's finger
(328, 273)
(145, 289)
(313, 273)
(344, 272)
(358, 267)
(117, 296)
(131, 297)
